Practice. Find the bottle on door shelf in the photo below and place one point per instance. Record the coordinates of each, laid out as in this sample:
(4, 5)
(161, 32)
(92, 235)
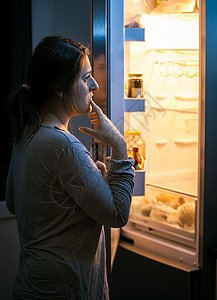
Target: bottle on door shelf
(133, 140)
(138, 159)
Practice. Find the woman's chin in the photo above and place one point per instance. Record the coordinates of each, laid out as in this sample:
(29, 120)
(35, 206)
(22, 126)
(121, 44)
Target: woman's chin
(87, 111)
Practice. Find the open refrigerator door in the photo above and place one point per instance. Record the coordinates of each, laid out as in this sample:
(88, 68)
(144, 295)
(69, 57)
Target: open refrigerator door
(148, 66)
(166, 49)
(162, 103)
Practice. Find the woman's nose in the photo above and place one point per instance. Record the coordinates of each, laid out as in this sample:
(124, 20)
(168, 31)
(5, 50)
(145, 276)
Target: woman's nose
(94, 85)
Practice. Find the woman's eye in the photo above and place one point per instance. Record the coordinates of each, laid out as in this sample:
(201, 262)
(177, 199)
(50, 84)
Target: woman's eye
(86, 78)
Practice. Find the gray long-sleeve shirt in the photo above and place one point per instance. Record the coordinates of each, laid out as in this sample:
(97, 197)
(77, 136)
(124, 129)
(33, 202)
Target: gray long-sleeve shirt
(61, 201)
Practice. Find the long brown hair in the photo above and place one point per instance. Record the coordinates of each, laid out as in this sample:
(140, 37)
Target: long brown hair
(54, 67)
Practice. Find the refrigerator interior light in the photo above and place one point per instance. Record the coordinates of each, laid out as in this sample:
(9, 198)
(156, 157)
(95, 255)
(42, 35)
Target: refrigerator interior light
(170, 31)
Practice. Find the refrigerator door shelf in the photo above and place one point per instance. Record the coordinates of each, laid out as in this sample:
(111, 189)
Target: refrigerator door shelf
(159, 249)
(134, 104)
(134, 34)
(139, 183)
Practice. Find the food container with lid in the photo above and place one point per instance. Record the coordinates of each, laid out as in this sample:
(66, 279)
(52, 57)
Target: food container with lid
(135, 86)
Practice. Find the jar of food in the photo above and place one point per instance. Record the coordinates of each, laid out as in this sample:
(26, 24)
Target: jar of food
(135, 86)
(133, 140)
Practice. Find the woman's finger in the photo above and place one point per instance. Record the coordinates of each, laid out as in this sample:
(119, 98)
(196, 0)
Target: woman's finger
(97, 109)
(88, 131)
(94, 121)
(101, 166)
(92, 115)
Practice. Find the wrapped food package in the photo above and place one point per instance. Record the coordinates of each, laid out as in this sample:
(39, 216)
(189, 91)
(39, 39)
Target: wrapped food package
(173, 218)
(165, 207)
(161, 212)
(164, 197)
(138, 203)
(186, 214)
(169, 199)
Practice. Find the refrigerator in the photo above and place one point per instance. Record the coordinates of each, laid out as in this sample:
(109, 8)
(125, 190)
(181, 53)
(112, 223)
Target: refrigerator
(150, 60)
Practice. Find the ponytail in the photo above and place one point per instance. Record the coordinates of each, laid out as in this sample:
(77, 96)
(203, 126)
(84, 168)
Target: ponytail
(25, 112)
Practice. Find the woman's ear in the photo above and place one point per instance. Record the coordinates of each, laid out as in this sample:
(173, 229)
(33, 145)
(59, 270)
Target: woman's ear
(60, 93)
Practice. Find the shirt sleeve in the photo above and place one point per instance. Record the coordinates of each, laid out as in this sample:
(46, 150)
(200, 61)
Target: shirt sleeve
(106, 200)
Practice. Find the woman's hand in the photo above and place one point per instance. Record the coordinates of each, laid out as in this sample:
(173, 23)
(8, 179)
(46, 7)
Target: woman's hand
(102, 167)
(106, 132)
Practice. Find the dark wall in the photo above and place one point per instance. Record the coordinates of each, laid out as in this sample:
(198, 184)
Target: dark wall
(15, 52)
(24, 24)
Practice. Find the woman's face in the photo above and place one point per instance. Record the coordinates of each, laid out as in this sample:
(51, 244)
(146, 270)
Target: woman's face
(85, 85)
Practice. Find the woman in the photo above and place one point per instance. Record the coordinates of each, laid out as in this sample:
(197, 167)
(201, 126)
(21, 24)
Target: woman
(58, 194)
